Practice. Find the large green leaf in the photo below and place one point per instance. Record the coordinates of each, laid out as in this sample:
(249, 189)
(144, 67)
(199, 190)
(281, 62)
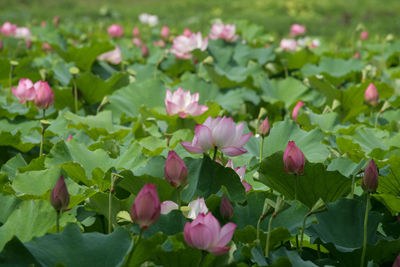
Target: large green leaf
(36, 182)
(335, 67)
(315, 183)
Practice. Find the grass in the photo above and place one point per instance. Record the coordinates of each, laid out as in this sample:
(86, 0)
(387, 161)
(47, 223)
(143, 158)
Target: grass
(333, 20)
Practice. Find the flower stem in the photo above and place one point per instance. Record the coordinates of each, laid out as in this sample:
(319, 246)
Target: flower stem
(42, 133)
(258, 228)
(75, 96)
(58, 221)
(110, 204)
(269, 235)
(215, 153)
(135, 244)
(376, 120)
(302, 231)
(261, 148)
(353, 182)
(295, 186)
(365, 231)
(203, 257)
(179, 190)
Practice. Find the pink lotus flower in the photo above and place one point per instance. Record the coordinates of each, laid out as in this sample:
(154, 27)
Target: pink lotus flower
(8, 29)
(59, 197)
(114, 56)
(115, 30)
(293, 159)
(24, 91)
(205, 233)
(136, 32)
(146, 209)
(165, 32)
(44, 96)
(226, 209)
(296, 110)
(183, 45)
(288, 44)
(371, 95)
(221, 133)
(137, 41)
(23, 33)
(183, 103)
(264, 127)
(241, 171)
(364, 35)
(297, 29)
(168, 206)
(175, 170)
(357, 55)
(197, 206)
(226, 32)
(187, 32)
(145, 51)
(371, 177)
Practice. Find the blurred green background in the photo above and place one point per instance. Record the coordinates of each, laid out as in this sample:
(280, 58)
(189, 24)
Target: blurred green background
(331, 19)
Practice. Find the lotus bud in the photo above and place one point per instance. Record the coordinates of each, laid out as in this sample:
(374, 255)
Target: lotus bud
(165, 32)
(115, 30)
(364, 35)
(175, 171)
(136, 32)
(59, 197)
(371, 95)
(226, 209)
(145, 51)
(146, 209)
(370, 180)
(44, 96)
(264, 128)
(297, 29)
(293, 159)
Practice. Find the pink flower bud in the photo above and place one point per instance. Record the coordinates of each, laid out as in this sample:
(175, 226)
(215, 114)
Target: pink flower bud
(24, 91)
(137, 41)
(226, 209)
(175, 171)
(59, 197)
(296, 110)
(146, 209)
(297, 29)
(264, 127)
(165, 32)
(8, 29)
(370, 179)
(293, 159)
(205, 233)
(56, 21)
(44, 96)
(115, 30)
(357, 55)
(371, 95)
(136, 32)
(145, 51)
(364, 35)
(396, 263)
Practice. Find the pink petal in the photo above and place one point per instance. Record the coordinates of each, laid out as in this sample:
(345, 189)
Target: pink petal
(243, 140)
(226, 234)
(189, 147)
(171, 108)
(204, 137)
(233, 151)
(219, 250)
(186, 234)
(201, 236)
(214, 226)
(224, 132)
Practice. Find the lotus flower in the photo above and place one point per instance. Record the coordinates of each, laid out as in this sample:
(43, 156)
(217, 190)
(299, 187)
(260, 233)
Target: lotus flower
(370, 179)
(59, 197)
(23, 33)
(241, 171)
(308, 42)
(396, 263)
(226, 32)
(145, 51)
(296, 110)
(151, 20)
(175, 171)
(357, 55)
(44, 96)
(220, 133)
(164, 32)
(24, 91)
(264, 127)
(136, 32)
(8, 29)
(197, 206)
(364, 35)
(288, 44)
(168, 206)
(187, 32)
(183, 45)
(226, 209)
(137, 41)
(115, 30)
(146, 209)
(293, 159)
(114, 56)
(205, 233)
(183, 103)
(371, 95)
(297, 29)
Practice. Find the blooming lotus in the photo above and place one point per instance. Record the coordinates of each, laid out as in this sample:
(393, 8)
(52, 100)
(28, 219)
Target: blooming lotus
(297, 29)
(288, 44)
(296, 110)
(24, 91)
(115, 30)
(23, 33)
(220, 133)
(183, 103)
(151, 20)
(114, 56)
(44, 96)
(205, 233)
(293, 159)
(371, 95)
(197, 206)
(146, 209)
(226, 32)
(59, 197)
(183, 45)
(8, 29)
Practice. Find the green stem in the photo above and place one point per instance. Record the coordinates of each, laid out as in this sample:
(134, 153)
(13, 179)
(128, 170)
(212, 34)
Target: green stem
(75, 96)
(353, 182)
(58, 221)
(261, 148)
(365, 231)
(295, 186)
(203, 257)
(319, 250)
(215, 153)
(110, 204)
(42, 134)
(258, 228)
(179, 190)
(269, 235)
(302, 231)
(376, 120)
(135, 244)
